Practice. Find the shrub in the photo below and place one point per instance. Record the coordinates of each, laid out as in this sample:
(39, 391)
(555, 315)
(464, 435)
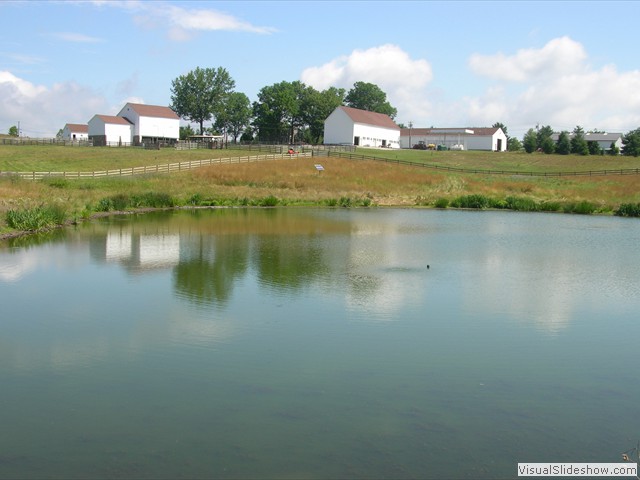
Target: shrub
(582, 208)
(36, 218)
(345, 202)
(522, 204)
(442, 203)
(550, 206)
(628, 210)
(331, 202)
(269, 201)
(153, 200)
(472, 201)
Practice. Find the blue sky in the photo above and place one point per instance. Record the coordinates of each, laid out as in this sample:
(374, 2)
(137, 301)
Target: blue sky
(442, 64)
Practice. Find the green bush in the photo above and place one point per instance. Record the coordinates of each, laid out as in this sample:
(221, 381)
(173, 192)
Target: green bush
(550, 206)
(269, 201)
(442, 203)
(332, 202)
(522, 204)
(153, 200)
(345, 202)
(582, 208)
(628, 210)
(472, 201)
(37, 218)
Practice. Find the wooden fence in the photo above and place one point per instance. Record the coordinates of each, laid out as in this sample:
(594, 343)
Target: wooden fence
(153, 169)
(588, 173)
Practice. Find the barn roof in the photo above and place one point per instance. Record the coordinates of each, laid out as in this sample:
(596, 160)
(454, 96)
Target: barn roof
(370, 118)
(78, 127)
(476, 131)
(153, 111)
(115, 120)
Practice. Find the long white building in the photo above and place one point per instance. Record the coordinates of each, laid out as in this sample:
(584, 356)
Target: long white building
(471, 138)
(352, 126)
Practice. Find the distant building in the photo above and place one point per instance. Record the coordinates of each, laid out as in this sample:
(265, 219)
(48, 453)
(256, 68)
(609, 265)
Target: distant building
(604, 139)
(352, 126)
(105, 130)
(471, 138)
(75, 132)
(151, 123)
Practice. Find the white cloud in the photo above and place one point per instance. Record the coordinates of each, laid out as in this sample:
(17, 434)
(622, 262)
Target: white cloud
(42, 110)
(403, 79)
(181, 23)
(558, 88)
(76, 37)
(559, 56)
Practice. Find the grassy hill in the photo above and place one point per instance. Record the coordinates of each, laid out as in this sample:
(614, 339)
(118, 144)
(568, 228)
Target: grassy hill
(297, 182)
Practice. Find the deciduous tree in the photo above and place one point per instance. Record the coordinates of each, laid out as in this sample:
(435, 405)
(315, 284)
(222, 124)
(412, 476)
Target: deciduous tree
(368, 96)
(235, 116)
(631, 143)
(201, 94)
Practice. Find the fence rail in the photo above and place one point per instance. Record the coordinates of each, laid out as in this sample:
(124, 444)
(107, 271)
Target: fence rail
(587, 173)
(152, 169)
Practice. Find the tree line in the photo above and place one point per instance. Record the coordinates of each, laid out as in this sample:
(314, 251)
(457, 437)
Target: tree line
(285, 112)
(291, 112)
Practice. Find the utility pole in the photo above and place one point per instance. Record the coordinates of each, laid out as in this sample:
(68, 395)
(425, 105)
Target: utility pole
(410, 126)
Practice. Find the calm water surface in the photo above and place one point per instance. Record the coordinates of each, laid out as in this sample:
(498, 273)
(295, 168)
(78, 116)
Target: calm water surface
(319, 344)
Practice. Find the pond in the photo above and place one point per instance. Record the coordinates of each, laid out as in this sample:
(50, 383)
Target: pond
(319, 343)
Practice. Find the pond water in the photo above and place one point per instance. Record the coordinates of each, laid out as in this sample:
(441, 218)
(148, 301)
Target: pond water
(319, 343)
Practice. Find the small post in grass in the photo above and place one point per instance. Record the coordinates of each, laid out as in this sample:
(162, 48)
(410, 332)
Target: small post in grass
(319, 168)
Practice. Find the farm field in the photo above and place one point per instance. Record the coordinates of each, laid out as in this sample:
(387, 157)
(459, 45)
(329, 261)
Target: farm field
(296, 182)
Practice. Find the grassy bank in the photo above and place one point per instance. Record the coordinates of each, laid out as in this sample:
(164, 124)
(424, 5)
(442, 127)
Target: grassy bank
(297, 182)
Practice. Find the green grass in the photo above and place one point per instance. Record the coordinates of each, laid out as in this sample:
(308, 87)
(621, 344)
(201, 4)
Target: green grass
(37, 218)
(506, 161)
(45, 158)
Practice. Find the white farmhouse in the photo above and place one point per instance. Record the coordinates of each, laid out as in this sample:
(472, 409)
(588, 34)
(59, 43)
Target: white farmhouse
(472, 138)
(151, 123)
(105, 130)
(75, 132)
(351, 126)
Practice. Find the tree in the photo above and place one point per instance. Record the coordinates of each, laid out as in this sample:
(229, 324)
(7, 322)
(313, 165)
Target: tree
(13, 131)
(594, 148)
(544, 133)
(631, 143)
(317, 106)
(503, 127)
(613, 149)
(530, 141)
(200, 94)
(578, 143)
(513, 144)
(186, 132)
(563, 147)
(235, 116)
(548, 146)
(278, 113)
(368, 96)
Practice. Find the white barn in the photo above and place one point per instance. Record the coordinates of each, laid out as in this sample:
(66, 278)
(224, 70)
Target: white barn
(151, 123)
(472, 138)
(352, 126)
(105, 130)
(75, 132)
